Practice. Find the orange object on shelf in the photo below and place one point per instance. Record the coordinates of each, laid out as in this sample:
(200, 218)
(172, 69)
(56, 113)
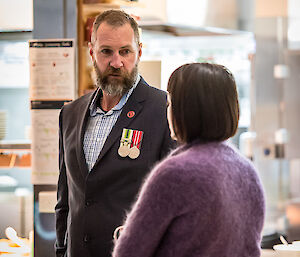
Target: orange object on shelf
(7, 160)
(9, 248)
(23, 160)
(14, 160)
(14, 154)
(88, 28)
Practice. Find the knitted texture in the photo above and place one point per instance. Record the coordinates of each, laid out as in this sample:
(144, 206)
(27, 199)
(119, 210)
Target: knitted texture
(203, 200)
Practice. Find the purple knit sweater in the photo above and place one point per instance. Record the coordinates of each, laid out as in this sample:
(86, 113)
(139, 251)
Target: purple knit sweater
(203, 200)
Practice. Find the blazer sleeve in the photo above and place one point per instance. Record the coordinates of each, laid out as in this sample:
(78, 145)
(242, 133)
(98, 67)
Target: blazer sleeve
(61, 208)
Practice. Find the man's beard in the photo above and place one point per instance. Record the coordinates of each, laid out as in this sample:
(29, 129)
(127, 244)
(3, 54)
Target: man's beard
(115, 86)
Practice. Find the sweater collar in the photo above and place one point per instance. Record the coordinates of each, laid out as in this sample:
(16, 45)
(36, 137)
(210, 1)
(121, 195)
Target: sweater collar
(183, 147)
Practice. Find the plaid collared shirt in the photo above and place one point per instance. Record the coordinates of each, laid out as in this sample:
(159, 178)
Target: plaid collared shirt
(100, 124)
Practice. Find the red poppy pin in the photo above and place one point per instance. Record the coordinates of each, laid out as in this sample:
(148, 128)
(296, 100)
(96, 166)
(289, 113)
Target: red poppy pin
(130, 114)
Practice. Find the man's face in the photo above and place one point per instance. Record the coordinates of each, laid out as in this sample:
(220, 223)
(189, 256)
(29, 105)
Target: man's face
(115, 55)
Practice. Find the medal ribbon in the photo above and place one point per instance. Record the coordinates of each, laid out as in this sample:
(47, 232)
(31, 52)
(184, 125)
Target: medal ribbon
(137, 138)
(127, 136)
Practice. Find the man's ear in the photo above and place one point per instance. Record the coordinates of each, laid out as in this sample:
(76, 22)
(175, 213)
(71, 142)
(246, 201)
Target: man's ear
(140, 49)
(91, 51)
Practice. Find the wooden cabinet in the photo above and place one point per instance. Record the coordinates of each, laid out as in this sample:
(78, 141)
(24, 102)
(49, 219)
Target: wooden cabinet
(86, 14)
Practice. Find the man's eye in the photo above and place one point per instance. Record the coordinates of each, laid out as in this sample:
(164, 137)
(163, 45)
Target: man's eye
(124, 52)
(106, 51)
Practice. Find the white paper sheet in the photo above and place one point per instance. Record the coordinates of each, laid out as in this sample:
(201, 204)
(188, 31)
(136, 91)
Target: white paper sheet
(52, 69)
(45, 124)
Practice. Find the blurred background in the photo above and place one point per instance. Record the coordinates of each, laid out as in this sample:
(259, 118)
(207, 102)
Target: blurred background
(258, 40)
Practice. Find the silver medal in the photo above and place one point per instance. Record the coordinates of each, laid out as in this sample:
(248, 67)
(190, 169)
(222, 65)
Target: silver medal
(123, 150)
(134, 152)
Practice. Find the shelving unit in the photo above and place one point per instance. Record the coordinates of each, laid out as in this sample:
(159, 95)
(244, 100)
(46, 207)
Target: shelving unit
(87, 11)
(15, 154)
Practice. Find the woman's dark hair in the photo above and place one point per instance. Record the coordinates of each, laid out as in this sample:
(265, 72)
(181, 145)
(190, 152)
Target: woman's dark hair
(204, 102)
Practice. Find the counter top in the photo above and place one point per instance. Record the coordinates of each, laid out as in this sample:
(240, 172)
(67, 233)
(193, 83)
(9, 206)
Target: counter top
(268, 253)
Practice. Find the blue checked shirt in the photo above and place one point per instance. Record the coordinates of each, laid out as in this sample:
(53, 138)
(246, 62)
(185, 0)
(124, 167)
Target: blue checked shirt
(99, 126)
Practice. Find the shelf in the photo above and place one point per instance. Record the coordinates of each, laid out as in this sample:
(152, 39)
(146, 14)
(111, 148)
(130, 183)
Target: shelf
(15, 154)
(14, 160)
(11, 146)
(14, 87)
(95, 8)
(86, 14)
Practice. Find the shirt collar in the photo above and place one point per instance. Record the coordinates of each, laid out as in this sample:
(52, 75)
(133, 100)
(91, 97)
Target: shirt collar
(94, 109)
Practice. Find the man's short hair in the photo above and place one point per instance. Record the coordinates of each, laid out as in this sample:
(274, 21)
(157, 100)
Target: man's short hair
(115, 18)
(204, 102)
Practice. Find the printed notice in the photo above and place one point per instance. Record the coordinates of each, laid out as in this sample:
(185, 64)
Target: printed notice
(45, 124)
(52, 69)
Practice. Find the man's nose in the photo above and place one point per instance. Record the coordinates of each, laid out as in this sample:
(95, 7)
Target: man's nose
(116, 61)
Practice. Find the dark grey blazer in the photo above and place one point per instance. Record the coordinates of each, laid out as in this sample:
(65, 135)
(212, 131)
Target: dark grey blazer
(91, 205)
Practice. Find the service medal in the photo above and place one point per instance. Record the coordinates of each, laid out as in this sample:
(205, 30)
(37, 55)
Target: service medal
(134, 151)
(123, 150)
(125, 143)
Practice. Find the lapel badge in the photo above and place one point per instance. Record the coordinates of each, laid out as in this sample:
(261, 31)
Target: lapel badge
(130, 114)
(130, 143)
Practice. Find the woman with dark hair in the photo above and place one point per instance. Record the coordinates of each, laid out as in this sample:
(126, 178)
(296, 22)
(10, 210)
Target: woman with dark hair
(204, 199)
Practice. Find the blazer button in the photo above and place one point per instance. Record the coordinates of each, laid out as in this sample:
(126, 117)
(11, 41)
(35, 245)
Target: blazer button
(86, 238)
(88, 203)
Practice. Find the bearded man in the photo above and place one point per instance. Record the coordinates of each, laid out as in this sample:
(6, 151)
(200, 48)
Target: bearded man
(109, 140)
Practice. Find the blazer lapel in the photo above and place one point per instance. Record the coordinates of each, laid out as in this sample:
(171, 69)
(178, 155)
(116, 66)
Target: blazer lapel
(82, 122)
(134, 104)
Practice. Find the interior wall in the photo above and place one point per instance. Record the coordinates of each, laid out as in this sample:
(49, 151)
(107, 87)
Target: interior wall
(55, 19)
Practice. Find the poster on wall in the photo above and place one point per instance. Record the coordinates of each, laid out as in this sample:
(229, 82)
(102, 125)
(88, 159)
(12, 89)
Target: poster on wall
(52, 84)
(44, 146)
(52, 69)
